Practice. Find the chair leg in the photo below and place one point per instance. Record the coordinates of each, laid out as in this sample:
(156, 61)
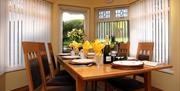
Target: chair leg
(86, 85)
(108, 87)
(95, 85)
(105, 87)
(134, 77)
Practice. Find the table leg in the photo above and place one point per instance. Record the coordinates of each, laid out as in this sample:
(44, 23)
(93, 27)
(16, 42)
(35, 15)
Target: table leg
(147, 81)
(79, 84)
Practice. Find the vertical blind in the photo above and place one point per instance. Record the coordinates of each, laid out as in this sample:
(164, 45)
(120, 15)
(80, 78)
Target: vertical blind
(3, 35)
(113, 22)
(119, 29)
(28, 20)
(149, 22)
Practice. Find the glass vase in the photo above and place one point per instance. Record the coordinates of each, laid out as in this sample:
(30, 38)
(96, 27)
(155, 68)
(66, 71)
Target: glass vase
(99, 61)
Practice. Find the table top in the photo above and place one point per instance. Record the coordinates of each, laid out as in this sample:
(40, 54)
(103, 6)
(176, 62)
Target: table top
(105, 71)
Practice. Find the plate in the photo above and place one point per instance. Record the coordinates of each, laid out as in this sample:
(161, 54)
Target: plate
(70, 57)
(131, 58)
(64, 54)
(82, 61)
(128, 65)
(91, 54)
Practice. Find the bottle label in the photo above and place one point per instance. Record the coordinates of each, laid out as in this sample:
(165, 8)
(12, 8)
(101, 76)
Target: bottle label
(108, 58)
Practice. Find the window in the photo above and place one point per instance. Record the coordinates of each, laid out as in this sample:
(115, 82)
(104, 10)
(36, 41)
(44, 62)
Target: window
(149, 22)
(71, 20)
(28, 20)
(72, 17)
(113, 22)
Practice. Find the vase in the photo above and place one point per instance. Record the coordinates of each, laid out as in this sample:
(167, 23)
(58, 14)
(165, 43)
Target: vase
(99, 60)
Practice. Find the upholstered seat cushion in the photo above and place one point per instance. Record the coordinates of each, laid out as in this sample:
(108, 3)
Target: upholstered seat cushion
(61, 81)
(61, 88)
(126, 84)
(143, 57)
(63, 73)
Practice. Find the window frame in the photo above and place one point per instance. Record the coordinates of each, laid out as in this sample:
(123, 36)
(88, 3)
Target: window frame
(83, 10)
(112, 18)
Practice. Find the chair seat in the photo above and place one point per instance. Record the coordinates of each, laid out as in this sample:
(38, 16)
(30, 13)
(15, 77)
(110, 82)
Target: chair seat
(61, 81)
(141, 75)
(125, 83)
(60, 88)
(62, 73)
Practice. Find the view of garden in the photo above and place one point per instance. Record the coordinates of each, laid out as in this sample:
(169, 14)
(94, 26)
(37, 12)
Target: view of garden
(69, 26)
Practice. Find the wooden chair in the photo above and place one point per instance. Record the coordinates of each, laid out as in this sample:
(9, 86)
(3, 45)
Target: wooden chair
(59, 80)
(144, 52)
(56, 65)
(123, 50)
(35, 72)
(56, 68)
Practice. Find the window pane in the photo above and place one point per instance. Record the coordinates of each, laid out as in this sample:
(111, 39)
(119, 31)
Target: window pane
(121, 12)
(113, 22)
(104, 14)
(119, 29)
(71, 21)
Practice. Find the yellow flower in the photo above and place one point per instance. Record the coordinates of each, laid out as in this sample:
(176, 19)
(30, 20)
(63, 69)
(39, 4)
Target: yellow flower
(97, 47)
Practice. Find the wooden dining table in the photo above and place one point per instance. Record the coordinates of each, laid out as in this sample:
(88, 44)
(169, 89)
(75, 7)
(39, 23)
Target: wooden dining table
(82, 73)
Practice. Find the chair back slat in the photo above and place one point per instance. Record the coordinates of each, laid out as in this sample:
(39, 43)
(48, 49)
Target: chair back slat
(52, 55)
(145, 51)
(56, 65)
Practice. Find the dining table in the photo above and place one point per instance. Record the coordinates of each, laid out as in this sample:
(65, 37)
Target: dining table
(81, 74)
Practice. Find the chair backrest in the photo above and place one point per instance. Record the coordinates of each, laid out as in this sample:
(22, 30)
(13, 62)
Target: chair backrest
(52, 55)
(44, 59)
(53, 61)
(123, 49)
(34, 71)
(145, 51)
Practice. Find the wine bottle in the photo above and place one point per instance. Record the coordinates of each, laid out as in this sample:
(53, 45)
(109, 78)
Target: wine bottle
(107, 54)
(113, 48)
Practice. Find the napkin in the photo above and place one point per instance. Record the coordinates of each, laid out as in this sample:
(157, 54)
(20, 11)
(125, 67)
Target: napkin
(97, 47)
(74, 45)
(86, 46)
(149, 63)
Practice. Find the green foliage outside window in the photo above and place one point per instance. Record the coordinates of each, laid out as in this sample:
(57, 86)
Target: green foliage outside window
(68, 26)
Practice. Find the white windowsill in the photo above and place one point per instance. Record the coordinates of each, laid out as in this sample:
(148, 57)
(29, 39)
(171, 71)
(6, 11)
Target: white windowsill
(1, 73)
(168, 71)
(12, 69)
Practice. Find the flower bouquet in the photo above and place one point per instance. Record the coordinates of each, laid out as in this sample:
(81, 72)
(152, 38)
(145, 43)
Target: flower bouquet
(76, 35)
